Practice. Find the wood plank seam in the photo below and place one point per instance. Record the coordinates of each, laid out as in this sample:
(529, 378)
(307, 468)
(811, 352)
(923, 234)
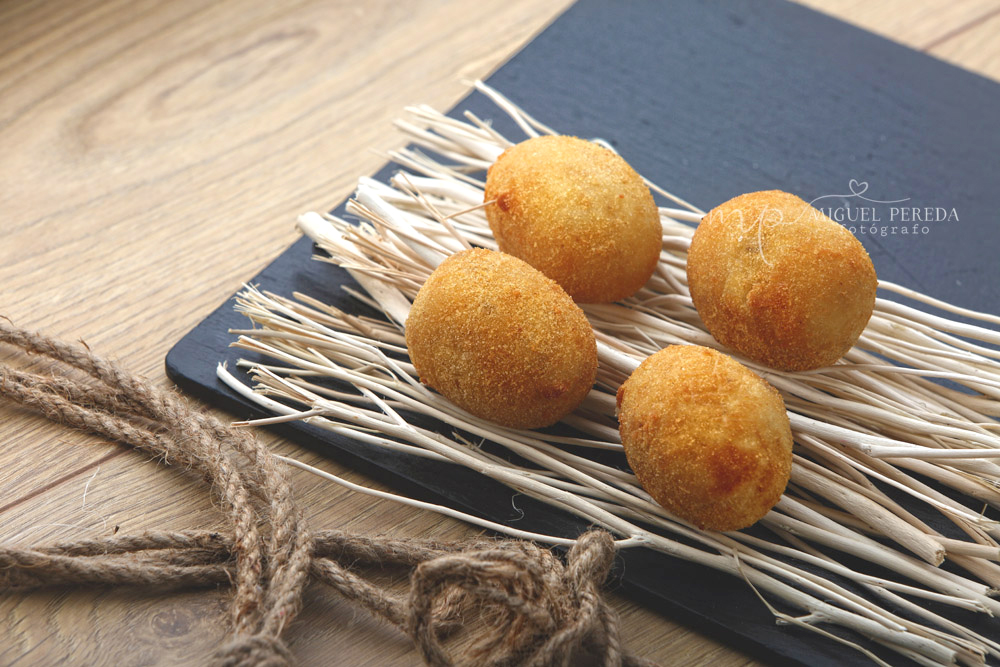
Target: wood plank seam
(960, 30)
(56, 482)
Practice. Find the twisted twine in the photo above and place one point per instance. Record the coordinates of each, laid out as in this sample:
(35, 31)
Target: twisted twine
(542, 612)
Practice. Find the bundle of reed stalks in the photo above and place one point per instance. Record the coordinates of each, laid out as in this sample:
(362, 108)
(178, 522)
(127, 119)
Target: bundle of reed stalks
(904, 421)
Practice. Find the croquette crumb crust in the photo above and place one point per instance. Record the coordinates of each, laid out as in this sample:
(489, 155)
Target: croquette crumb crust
(775, 279)
(501, 340)
(705, 436)
(578, 213)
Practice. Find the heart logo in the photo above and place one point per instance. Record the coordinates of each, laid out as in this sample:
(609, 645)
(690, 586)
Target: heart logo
(858, 187)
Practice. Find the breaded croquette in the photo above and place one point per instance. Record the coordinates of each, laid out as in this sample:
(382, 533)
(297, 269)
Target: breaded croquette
(578, 213)
(707, 438)
(777, 280)
(501, 340)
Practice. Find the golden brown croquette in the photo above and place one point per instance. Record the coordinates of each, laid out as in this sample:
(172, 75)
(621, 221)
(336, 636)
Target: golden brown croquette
(501, 340)
(705, 436)
(578, 213)
(777, 280)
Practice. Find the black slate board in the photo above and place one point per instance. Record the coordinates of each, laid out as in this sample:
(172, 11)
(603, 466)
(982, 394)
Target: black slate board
(712, 99)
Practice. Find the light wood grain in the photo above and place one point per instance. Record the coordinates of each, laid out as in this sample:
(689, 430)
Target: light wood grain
(975, 49)
(154, 156)
(919, 25)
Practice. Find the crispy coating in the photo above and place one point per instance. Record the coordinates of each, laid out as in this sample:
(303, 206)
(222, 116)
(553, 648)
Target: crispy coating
(706, 437)
(578, 213)
(775, 279)
(501, 340)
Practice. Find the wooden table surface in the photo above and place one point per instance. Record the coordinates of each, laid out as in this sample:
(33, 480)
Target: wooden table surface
(154, 155)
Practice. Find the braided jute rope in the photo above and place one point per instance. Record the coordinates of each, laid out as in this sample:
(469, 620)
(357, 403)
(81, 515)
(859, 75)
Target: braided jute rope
(540, 610)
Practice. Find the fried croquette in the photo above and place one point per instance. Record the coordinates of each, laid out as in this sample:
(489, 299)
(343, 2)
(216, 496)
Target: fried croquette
(501, 340)
(578, 213)
(707, 438)
(777, 280)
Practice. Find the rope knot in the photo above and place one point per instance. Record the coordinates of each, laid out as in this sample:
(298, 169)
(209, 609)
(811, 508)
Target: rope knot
(540, 611)
(590, 559)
